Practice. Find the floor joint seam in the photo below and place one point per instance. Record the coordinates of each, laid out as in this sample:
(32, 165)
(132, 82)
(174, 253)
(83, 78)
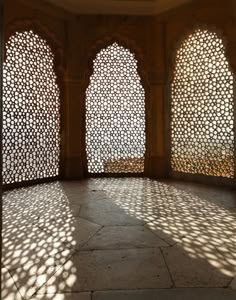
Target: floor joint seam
(89, 220)
(51, 275)
(171, 278)
(119, 249)
(231, 280)
(82, 245)
(15, 285)
(168, 244)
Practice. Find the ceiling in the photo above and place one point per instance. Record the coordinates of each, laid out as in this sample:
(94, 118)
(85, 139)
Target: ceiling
(125, 7)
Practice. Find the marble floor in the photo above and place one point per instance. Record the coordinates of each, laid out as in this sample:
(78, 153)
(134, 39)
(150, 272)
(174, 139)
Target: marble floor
(119, 238)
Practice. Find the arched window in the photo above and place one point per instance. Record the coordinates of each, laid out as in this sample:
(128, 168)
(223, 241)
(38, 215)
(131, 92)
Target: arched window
(202, 108)
(115, 114)
(30, 110)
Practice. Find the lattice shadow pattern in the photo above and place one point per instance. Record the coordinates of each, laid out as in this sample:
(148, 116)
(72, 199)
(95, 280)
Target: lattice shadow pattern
(30, 110)
(202, 108)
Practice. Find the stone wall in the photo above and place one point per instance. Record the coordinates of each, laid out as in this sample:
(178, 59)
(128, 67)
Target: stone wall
(153, 39)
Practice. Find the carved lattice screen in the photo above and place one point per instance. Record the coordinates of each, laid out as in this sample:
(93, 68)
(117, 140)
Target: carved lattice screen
(115, 114)
(202, 108)
(30, 110)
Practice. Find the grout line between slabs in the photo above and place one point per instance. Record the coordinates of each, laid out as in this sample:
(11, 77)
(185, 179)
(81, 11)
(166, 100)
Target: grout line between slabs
(119, 249)
(168, 269)
(78, 250)
(78, 216)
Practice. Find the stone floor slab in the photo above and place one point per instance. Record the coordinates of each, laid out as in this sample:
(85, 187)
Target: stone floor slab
(107, 212)
(69, 230)
(80, 193)
(111, 269)
(233, 283)
(8, 288)
(222, 197)
(157, 230)
(188, 270)
(168, 294)
(75, 210)
(85, 197)
(121, 237)
(82, 231)
(27, 245)
(29, 278)
(68, 296)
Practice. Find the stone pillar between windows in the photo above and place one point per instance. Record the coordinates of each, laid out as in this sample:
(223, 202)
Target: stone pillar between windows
(74, 165)
(157, 161)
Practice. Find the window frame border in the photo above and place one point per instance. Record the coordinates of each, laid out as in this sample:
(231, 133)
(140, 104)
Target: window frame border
(134, 48)
(22, 25)
(198, 178)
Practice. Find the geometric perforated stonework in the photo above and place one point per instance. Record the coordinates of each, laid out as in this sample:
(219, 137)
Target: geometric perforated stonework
(115, 114)
(202, 108)
(30, 110)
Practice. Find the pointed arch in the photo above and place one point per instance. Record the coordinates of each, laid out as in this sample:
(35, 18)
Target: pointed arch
(21, 25)
(31, 110)
(142, 72)
(115, 113)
